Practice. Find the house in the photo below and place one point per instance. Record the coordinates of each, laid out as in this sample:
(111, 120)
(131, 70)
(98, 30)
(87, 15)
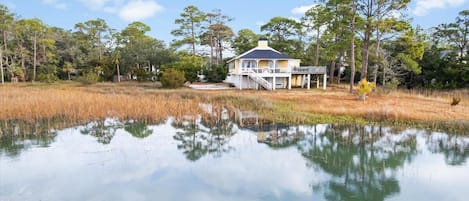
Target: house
(265, 67)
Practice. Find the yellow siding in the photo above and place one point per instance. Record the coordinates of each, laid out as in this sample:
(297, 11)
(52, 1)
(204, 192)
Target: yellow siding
(282, 64)
(296, 63)
(263, 63)
(296, 80)
(237, 66)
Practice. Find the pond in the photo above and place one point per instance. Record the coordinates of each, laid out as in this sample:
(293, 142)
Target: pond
(221, 159)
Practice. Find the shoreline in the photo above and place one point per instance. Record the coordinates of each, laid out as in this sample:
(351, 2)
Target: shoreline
(77, 102)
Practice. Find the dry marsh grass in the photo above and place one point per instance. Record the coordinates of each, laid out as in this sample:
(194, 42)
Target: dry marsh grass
(74, 101)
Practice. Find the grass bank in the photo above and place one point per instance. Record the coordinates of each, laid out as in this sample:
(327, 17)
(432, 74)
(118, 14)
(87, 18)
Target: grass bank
(73, 101)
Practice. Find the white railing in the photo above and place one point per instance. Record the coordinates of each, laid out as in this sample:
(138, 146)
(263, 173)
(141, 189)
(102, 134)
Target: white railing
(310, 70)
(258, 79)
(266, 70)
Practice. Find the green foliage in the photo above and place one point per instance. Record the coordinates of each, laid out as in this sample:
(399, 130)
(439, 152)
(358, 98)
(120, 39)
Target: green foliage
(47, 74)
(172, 78)
(141, 73)
(190, 65)
(408, 63)
(90, 77)
(216, 73)
(16, 71)
(364, 87)
(245, 40)
(189, 27)
(392, 84)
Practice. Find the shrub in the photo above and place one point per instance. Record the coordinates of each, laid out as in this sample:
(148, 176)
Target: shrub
(90, 77)
(364, 88)
(141, 73)
(172, 78)
(216, 73)
(47, 74)
(392, 84)
(190, 65)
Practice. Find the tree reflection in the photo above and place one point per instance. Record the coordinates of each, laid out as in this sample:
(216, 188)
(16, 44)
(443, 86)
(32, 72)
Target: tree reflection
(278, 136)
(360, 160)
(454, 148)
(138, 129)
(17, 136)
(209, 134)
(104, 130)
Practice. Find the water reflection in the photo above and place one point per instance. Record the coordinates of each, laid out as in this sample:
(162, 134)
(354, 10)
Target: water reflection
(454, 148)
(138, 129)
(207, 134)
(255, 160)
(363, 163)
(17, 136)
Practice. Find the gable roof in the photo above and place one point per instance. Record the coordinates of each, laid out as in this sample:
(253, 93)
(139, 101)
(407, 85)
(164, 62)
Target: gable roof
(261, 53)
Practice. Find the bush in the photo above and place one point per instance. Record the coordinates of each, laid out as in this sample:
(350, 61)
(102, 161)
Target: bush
(392, 84)
(364, 88)
(190, 65)
(90, 77)
(47, 74)
(141, 73)
(172, 78)
(216, 73)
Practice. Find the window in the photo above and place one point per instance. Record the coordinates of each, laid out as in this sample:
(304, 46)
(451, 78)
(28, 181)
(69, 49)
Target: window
(249, 64)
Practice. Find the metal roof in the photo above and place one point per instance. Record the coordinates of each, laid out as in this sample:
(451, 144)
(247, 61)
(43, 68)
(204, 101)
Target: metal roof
(265, 54)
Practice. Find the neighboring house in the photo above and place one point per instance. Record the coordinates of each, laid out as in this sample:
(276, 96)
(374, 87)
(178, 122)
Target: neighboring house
(270, 69)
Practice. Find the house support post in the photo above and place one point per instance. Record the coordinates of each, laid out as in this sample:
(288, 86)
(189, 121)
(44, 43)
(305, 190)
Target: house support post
(273, 82)
(324, 82)
(309, 81)
(303, 77)
(240, 82)
(317, 81)
(289, 82)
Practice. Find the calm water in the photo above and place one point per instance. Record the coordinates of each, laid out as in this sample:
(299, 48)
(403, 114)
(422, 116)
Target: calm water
(222, 160)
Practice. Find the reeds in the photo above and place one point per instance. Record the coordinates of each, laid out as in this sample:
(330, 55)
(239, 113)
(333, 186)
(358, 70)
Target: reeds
(143, 102)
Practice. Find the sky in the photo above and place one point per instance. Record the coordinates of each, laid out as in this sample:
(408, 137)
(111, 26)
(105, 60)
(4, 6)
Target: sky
(160, 14)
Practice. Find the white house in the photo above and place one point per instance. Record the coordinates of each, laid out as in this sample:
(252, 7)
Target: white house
(265, 67)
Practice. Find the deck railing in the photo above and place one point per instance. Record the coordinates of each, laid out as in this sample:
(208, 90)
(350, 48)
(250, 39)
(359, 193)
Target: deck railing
(309, 70)
(261, 70)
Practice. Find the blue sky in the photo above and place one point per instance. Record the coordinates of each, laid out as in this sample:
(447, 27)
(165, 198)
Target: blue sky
(160, 14)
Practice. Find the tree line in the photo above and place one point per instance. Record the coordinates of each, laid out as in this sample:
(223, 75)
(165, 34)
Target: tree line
(356, 39)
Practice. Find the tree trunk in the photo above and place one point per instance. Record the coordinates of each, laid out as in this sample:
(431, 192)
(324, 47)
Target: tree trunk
(34, 57)
(193, 38)
(68, 74)
(331, 71)
(366, 40)
(339, 65)
(1, 66)
(378, 42)
(220, 50)
(365, 55)
(118, 73)
(352, 49)
(316, 60)
(44, 54)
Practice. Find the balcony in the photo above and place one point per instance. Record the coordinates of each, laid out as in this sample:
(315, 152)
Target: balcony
(309, 70)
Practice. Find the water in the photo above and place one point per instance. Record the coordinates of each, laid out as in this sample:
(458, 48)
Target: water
(222, 160)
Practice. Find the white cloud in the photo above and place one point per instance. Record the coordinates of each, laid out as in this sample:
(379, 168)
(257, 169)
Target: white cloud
(56, 3)
(139, 10)
(94, 4)
(424, 6)
(302, 9)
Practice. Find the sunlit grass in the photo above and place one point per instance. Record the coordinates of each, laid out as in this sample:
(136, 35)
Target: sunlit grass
(130, 100)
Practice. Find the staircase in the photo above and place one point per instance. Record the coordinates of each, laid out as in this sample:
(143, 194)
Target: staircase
(259, 80)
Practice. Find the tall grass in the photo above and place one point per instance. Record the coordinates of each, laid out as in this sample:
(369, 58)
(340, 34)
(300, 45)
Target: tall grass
(134, 101)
